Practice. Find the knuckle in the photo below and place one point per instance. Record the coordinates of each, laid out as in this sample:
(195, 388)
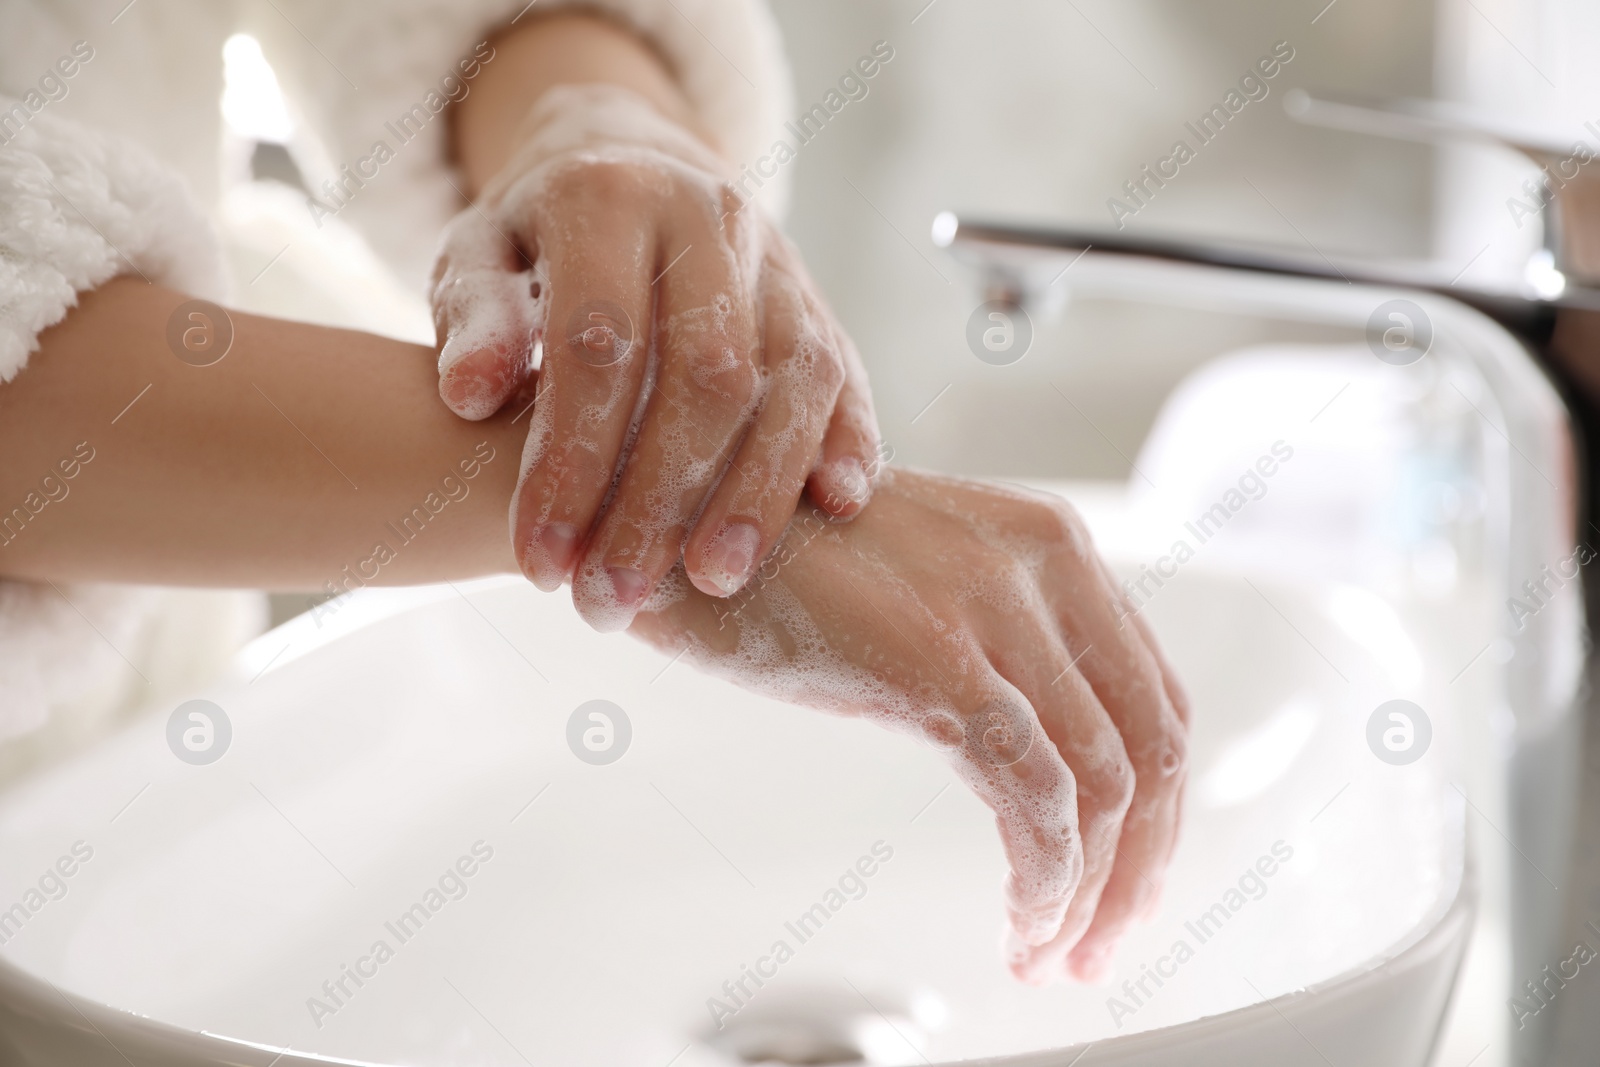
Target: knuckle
(1160, 762)
(1067, 531)
(1110, 783)
(828, 372)
(1170, 755)
(598, 181)
(721, 378)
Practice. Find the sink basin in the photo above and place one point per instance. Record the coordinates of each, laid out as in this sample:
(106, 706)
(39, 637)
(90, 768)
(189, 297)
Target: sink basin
(399, 773)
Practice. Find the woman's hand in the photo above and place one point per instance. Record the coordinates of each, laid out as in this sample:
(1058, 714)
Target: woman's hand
(692, 383)
(981, 620)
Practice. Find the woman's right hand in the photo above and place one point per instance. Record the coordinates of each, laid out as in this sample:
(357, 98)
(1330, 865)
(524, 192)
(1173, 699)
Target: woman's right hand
(694, 382)
(980, 619)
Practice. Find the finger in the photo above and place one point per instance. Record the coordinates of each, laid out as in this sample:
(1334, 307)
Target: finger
(705, 392)
(594, 369)
(752, 506)
(488, 311)
(1176, 694)
(1128, 613)
(1127, 677)
(999, 749)
(1027, 654)
(851, 456)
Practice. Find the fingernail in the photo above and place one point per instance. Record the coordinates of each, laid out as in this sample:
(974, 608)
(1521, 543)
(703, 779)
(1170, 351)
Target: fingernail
(630, 586)
(1032, 929)
(607, 598)
(469, 395)
(731, 556)
(850, 483)
(1017, 950)
(559, 540)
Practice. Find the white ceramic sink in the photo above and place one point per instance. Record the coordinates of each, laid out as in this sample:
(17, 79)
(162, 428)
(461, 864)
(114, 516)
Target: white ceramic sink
(618, 899)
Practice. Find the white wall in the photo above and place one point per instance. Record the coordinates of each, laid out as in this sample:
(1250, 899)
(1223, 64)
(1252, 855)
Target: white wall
(1040, 110)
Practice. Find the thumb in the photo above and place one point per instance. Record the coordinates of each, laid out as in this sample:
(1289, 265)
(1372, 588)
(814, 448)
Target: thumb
(488, 311)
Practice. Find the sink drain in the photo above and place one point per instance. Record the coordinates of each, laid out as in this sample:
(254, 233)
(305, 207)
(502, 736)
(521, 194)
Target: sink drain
(794, 1042)
(823, 1027)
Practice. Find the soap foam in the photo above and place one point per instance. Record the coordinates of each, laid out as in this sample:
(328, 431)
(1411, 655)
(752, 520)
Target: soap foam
(997, 749)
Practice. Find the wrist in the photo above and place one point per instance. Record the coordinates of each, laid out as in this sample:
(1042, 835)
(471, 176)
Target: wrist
(596, 120)
(559, 50)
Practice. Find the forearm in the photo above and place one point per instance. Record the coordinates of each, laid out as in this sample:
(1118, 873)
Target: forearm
(539, 53)
(294, 457)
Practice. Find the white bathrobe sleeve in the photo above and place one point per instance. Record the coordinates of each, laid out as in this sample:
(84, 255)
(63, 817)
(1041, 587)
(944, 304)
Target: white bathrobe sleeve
(351, 71)
(78, 207)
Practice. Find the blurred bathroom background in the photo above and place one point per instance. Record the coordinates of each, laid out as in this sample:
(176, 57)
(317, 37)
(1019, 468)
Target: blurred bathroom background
(1039, 111)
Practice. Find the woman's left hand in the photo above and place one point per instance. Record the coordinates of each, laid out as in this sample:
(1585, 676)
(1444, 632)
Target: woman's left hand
(979, 619)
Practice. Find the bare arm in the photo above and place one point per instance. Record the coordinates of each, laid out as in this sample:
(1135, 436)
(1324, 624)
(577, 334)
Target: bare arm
(541, 52)
(291, 458)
